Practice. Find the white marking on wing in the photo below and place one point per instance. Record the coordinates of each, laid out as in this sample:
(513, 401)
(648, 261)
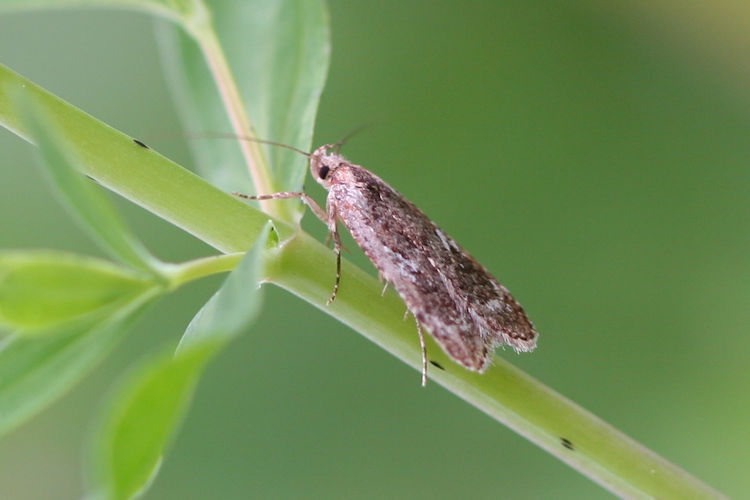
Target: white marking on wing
(444, 239)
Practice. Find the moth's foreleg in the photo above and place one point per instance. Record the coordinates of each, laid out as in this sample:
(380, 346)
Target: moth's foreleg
(328, 218)
(285, 195)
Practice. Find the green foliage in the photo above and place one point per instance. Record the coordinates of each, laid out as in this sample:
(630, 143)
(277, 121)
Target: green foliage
(146, 408)
(44, 289)
(278, 52)
(68, 311)
(36, 370)
(236, 304)
(144, 412)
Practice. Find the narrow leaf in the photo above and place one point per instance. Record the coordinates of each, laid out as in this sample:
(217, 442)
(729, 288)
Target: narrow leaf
(278, 51)
(147, 407)
(35, 371)
(44, 289)
(237, 302)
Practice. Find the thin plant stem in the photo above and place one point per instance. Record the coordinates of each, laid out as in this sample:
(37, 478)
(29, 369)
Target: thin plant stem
(240, 121)
(185, 272)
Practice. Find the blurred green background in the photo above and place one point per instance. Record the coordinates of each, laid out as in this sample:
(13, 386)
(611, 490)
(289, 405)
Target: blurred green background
(594, 158)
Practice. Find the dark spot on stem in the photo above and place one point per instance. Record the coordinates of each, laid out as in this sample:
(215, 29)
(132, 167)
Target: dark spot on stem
(436, 365)
(141, 144)
(567, 443)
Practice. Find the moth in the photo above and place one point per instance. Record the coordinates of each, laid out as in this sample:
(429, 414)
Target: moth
(449, 293)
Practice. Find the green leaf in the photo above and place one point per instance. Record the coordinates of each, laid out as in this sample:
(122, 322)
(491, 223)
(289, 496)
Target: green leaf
(85, 200)
(278, 51)
(141, 417)
(148, 406)
(238, 300)
(35, 371)
(44, 289)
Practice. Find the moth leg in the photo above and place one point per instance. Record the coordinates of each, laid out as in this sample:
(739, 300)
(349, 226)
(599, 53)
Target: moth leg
(328, 242)
(424, 352)
(382, 279)
(285, 195)
(385, 287)
(422, 345)
(333, 231)
(328, 218)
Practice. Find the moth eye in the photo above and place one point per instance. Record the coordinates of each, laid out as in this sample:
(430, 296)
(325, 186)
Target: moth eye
(323, 171)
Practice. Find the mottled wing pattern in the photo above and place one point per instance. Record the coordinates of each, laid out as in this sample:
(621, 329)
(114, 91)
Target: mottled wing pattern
(453, 296)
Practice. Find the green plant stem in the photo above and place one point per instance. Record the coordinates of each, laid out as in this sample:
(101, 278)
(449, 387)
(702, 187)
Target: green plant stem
(185, 272)
(305, 267)
(140, 175)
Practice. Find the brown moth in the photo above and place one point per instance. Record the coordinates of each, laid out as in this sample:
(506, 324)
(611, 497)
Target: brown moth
(466, 310)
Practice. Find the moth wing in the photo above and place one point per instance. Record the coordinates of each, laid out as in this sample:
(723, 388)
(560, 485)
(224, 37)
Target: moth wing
(470, 313)
(460, 304)
(495, 316)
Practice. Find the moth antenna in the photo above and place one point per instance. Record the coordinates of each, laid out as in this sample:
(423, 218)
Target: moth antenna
(350, 134)
(230, 135)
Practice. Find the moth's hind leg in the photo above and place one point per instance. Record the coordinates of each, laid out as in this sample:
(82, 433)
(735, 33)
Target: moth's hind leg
(382, 279)
(422, 345)
(424, 351)
(333, 232)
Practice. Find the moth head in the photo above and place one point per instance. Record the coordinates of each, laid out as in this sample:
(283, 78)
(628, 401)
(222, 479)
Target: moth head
(323, 163)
